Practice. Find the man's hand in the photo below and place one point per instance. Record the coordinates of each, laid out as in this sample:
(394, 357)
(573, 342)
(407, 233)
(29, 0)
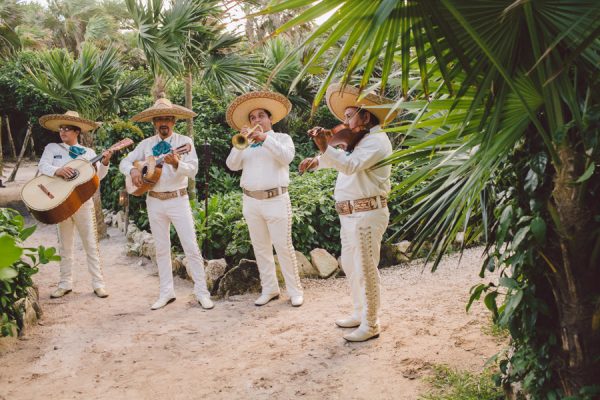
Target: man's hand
(106, 155)
(319, 136)
(172, 159)
(136, 177)
(307, 164)
(65, 172)
(258, 135)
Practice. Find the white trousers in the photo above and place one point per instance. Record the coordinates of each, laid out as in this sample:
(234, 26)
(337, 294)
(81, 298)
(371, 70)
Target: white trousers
(270, 225)
(161, 213)
(361, 236)
(84, 220)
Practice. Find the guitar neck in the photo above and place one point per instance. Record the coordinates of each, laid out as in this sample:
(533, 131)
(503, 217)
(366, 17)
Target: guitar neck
(118, 146)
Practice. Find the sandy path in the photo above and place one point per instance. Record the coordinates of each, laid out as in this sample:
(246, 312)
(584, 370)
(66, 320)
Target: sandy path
(117, 348)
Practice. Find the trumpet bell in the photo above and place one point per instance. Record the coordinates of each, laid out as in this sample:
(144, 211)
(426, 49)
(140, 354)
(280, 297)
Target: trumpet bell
(240, 141)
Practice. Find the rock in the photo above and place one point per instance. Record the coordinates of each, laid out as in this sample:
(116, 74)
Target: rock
(134, 249)
(403, 247)
(305, 268)
(459, 239)
(30, 310)
(214, 269)
(341, 271)
(132, 230)
(120, 220)
(243, 278)
(148, 249)
(391, 254)
(323, 262)
(179, 268)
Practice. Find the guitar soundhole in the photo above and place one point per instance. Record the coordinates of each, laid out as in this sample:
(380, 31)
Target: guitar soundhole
(75, 176)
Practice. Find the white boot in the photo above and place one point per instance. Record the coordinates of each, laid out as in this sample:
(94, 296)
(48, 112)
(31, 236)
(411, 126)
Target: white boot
(350, 322)
(363, 333)
(161, 302)
(265, 298)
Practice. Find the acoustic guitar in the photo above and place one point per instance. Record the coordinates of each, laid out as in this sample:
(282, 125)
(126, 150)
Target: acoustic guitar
(52, 199)
(151, 169)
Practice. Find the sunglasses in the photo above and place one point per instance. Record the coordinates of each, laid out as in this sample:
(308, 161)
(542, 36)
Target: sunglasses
(66, 128)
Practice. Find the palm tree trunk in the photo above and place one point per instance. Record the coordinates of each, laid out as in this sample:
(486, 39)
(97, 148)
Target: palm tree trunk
(574, 284)
(159, 87)
(1, 150)
(10, 139)
(13, 174)
(188, 80)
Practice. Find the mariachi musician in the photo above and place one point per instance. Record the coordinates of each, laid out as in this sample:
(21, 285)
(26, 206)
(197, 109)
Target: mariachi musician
(52, 163)
(168, 202)
(265, 179)
(361, 198)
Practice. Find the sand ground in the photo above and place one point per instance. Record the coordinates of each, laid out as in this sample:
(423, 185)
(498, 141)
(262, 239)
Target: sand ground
(117, 348)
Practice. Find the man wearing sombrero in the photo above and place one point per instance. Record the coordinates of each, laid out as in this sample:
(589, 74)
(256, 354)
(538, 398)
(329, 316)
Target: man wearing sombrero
(265, 178)
(361, 201)
(52, 163)
(168, 200)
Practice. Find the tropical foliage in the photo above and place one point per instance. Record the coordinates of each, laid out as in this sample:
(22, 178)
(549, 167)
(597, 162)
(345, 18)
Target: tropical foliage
(17, 265)
(501, 116)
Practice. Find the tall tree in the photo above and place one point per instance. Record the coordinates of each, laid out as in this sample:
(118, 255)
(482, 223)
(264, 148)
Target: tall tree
(504, 127)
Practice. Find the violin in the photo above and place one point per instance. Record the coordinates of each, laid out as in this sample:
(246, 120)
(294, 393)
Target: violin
(341, 136)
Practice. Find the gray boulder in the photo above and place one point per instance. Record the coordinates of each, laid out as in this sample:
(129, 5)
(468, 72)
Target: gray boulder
(243, 278)
(215, 269)
(324, 263)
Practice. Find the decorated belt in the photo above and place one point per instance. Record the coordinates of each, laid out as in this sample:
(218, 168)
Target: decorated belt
(168, 195)
(367, 204)
(265, 194)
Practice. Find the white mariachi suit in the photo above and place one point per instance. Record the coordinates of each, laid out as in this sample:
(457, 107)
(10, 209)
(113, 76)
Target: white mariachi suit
(266, 167)
(362, 232)
(177, 210)
(55, 156)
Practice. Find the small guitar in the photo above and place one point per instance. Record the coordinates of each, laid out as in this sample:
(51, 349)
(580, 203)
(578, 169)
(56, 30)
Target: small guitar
(151, 169)
(52, 199)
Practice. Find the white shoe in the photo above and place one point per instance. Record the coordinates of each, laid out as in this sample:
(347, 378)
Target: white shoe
(100, 292)
(349, 322)
(206, 302)
(60, 292)
(363, 334)
(161, 302)
(265, 298)
(297, 301)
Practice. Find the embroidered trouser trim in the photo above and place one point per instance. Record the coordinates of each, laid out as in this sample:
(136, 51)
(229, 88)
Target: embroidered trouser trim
(361, 236)
(84, 220)
(161, 213)
(270, 225)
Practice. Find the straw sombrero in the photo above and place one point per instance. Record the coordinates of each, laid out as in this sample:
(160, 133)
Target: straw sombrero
(54, 121)
(163, 108)
(277, 104)
(340, 97)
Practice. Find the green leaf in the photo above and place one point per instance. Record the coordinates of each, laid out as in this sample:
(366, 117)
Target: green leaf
(476, 294)
(25, 233)
(587, 174)
(511, 305)
(490, 302)
(508, 282)
(538, 228)
(9, 250)
(7, 273)
(521, 234)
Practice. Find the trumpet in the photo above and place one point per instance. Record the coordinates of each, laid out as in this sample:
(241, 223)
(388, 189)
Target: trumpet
(240, 141)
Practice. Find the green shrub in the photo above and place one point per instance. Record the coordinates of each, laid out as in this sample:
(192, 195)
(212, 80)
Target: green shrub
(17, 265)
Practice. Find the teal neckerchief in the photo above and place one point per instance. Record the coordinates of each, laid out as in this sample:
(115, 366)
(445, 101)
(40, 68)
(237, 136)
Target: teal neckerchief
(256, 144)
(162, 147)
(76, 151)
